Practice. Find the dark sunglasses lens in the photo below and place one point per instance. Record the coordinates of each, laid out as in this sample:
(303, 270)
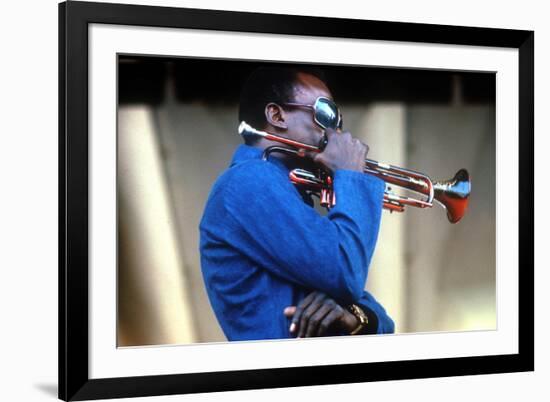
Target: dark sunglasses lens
(326, 114)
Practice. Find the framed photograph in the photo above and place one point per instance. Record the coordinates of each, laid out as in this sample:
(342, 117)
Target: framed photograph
(258, 200)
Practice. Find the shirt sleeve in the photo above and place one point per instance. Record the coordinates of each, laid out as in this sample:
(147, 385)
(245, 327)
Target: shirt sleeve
(274, 228)
(374, 310)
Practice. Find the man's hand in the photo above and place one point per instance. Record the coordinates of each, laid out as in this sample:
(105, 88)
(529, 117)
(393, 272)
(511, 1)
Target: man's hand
(342, 152)
(316, 314)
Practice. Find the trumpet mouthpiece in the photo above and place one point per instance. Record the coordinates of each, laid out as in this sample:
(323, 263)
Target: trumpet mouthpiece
(246, 130)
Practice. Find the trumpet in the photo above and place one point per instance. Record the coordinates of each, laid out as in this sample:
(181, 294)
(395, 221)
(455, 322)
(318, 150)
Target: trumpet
(452, 194)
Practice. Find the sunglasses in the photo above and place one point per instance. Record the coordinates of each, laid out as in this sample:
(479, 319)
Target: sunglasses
(325, 112)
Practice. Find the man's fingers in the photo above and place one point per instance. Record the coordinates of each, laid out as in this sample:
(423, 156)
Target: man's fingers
(315, 315)
(289, 311)
(328, 321)
(317, 318)
(298, 311)
(308, 312)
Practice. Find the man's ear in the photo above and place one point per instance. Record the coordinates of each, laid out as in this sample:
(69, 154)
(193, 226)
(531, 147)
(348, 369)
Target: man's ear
(275, 116)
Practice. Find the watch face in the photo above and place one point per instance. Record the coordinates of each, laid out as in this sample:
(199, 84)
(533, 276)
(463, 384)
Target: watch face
(360, 314)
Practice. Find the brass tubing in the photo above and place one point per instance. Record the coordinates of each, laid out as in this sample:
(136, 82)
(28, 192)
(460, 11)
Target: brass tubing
(452, 194)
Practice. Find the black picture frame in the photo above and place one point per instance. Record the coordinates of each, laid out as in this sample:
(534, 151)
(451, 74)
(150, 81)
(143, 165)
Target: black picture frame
(74, 381)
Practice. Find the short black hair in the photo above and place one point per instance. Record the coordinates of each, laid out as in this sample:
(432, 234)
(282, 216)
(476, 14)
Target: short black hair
(269, 84)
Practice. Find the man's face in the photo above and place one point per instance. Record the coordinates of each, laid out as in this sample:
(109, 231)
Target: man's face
(300, 121)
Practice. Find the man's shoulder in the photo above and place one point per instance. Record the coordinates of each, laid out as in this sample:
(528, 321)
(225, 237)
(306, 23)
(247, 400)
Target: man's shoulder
(252, 173)
(247, 178)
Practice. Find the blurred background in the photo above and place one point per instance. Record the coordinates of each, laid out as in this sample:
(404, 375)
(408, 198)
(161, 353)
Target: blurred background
(177, 131)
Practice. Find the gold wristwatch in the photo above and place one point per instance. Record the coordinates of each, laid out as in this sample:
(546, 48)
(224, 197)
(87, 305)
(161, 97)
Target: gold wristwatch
(361, 317)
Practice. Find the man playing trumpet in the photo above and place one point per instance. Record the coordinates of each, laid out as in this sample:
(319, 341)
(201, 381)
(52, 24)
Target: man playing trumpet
(273, 266)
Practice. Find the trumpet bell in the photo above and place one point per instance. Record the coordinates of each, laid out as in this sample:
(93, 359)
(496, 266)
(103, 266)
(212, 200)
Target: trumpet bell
(454, 194)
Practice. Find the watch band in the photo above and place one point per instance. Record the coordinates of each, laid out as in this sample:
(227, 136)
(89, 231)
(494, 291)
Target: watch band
(361, 317)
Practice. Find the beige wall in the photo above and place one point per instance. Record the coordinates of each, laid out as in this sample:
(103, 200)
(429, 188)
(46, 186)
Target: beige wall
(451, 269)
(154, 305)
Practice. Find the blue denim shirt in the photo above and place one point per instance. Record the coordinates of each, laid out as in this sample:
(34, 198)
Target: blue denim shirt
(263, 248)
